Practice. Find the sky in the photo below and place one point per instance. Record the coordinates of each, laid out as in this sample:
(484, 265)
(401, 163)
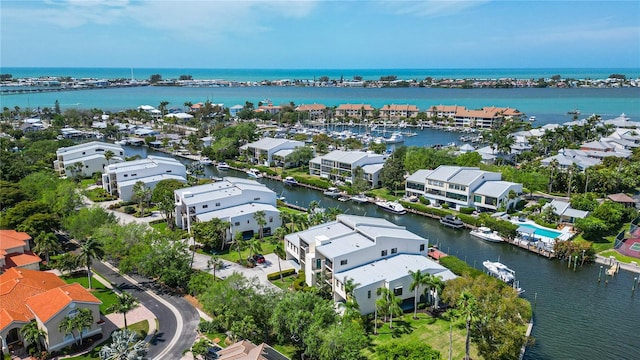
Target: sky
(320, 34)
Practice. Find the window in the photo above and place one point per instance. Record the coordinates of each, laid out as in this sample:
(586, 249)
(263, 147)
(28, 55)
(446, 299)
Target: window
(343, 262)
(383, 253)
(318, 263)
(134, 174)
(126, 175)
(369, 294)
(205, 206)
(256, 199)
(237, 223)
(397, 291)
(394, 250)
(421, 247)
(217, 204)
(270, 219)
(477, 198)
(169, 171)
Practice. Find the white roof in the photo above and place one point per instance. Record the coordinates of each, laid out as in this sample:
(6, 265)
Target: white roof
(151, 179)
(394, 268)
(149, 162)
(180, 115)
(90, 145)
(419, 176)
(271, 143)
(495, 188)
(231, 212)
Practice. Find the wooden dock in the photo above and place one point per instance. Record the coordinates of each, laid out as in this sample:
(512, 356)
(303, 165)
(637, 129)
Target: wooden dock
(532, 248)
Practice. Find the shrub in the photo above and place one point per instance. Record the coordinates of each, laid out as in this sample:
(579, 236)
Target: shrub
(445, 206)
(285, 273)
(467, 210)
(458, 266)
(424, 200)
(129, 210)
(471, 220)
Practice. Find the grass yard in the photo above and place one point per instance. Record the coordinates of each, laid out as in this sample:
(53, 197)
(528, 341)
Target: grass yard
(426, 329)
(286, 283)
(106, 295)
(619, 257)
(231, 254)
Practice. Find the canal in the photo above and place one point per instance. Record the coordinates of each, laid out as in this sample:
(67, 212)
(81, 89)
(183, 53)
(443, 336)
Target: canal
(575, 317)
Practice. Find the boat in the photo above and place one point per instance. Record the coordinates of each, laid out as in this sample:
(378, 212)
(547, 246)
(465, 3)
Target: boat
(290, 180)
(392, 206)
(452, 222)
(254, 173)
(332, 191)
(344, 198)
(573, 112)
(360, 198)
(487, 234)
(395, 138)
(532, 118)
(205, 161)
(222, 166)
(503, 273)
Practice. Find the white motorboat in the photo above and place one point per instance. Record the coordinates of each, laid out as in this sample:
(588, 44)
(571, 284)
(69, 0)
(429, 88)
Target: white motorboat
(205, 161)
(487, 234)
(290, 180)
(360, 198)
(254, 173)
(222, 166)
(503, 273)
(452, 222)
(395, 138)
(532, 118)
(332, 192)
(344, 198)
(392, 206)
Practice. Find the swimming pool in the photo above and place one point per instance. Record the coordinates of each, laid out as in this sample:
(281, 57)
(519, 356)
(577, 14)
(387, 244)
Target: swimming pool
(542, 231)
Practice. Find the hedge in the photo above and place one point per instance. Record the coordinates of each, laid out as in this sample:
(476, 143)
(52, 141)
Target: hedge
(458, 266)
(424, 208)
(467, 210)
(285, 273)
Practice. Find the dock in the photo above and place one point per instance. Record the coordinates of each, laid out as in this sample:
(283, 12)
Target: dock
(531, 247)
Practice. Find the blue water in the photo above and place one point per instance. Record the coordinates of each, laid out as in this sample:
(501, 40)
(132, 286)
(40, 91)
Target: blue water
(334, 74)
(542, 231)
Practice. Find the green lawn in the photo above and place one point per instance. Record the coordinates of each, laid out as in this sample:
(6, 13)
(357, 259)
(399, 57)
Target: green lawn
(619, 257)
(104, 294)
(286, 283)
(231, 254)
(429, 330)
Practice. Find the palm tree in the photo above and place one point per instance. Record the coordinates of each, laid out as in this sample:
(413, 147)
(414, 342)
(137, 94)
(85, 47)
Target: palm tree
(66, 327)
(254, 246)
(286, 219)
(280, 254)
(435, 286)
(126, 302)
(124, 346)
(238, 242)
(66, 262)
(260, 218)
(47, 243)
(83, 320)
(108, 155)
(222, 227)
(389, 304)
(553, 168)
(142, 194)
(91, 249)
(352, 308)
(467, 308)
(417, 280)
(31, 333)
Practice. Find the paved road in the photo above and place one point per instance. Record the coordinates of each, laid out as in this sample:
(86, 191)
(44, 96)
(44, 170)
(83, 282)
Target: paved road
(174, 334)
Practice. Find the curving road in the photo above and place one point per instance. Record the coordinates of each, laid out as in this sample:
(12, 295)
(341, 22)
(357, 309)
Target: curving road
(177, 319)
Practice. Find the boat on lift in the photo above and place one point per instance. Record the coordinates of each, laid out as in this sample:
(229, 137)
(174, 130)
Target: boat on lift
(360, 198)
(392, 207)
(254, 173)
(332, 192)
(290, 180)
(503, 273)
(205, 161)
(452, 222)
(222, 166)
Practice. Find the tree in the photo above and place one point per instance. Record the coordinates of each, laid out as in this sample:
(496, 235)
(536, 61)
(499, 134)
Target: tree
(83, 320)
(47, 243)
(67, 326)
(126, 302)
(85, 221)
(260, 218)
(254, 246)
(467, 309)
(31, 333)
(90, 250)
(434, 286)
(143, 194)
(239, 243)
(418, 279)
(163, 197)
(392, 174)
(301, 155)
(389, 304)
(66, 262)
(124, 346)
(359, 184)
(279, 250)
(412, 350)
(155, 78)
(108, 155)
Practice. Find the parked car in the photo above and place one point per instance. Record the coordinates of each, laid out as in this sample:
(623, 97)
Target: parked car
(259, 259)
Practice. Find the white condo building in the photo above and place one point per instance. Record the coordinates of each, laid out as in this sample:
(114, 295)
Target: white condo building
(90, 155)
(340, 165)
(119, 179)
(460, 187)
(373, 252)
(265, 149)
(234, 200)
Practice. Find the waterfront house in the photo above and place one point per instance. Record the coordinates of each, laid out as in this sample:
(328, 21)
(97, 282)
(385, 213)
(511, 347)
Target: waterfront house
(340, 165)
(15, 251)
(31, 295)
(566, 213)
(460, 187)
(567, 157)
(89, 157)
(119, 179)
(396, 112)
(234, 200)
(263, 150)
(357, 111)
(372, 252)
(314, 111)
(269, 108)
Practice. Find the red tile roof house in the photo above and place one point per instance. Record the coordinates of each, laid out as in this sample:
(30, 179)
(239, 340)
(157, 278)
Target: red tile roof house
(15, 251)
(30, 295)
(315, 111)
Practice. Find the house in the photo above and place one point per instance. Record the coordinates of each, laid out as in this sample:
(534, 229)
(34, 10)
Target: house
(372, 252)
(315, 111)
(233, 200)
(566, 213)
(87, 158)
(119, 179)
(622, 198)
(246, 350)
(340, 165)
(15, 251)
(358, 111)
(567, 157)
(460, 187)
(235, 109)
(270, 108)
(31, 295)
(265, 149)
(396, 112)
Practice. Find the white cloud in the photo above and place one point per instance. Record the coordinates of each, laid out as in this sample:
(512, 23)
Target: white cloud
(432, 8)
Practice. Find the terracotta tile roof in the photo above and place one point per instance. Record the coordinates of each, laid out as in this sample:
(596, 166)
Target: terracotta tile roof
(242, 350)
(19, 260)
(17, 285)
(47, 304)
(621, 198)
(9, 316)
(311, 107)
(357, 107)
(394, 107)
(15, 235)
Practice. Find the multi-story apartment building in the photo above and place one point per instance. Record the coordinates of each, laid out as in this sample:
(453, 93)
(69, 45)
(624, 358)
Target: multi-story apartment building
(372, 252)
(340, 165)
(86, 159)
(265, 149)
(463, 187)
(234, 200)
(315, 111)
(396, 112)
(119, 179)
(357, 111)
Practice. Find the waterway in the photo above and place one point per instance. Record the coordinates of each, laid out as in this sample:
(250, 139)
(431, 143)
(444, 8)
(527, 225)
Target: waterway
(575, 317)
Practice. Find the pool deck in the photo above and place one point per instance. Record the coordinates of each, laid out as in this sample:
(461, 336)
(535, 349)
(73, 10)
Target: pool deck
(566, 233)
